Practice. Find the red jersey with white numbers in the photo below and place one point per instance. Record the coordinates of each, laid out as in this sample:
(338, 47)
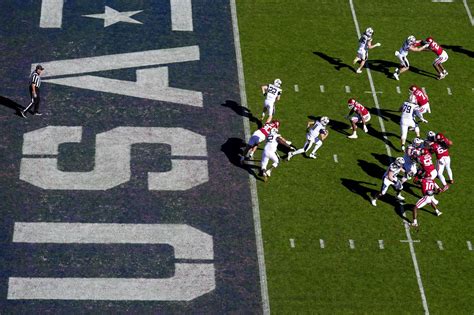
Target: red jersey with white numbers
(360, 109)
(436, 48)
(426, 162)
(421, 97)
(440, 150)
(428, 187)
(267, 128)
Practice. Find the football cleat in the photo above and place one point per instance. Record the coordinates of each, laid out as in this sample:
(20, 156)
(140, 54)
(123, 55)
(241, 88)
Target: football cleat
(373, 202)
(400, 197)
(366, 129)
(277, 82)
(352, 136)
(395, 75)
(359, 71)
(290, 155)
(313, 156)
(403, 148)
(438, 213)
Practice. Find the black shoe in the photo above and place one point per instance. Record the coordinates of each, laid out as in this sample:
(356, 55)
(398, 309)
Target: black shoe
(38, 114)
(22, 114)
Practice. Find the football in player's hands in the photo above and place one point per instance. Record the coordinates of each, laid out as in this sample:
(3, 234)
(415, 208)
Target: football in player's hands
(323, 132)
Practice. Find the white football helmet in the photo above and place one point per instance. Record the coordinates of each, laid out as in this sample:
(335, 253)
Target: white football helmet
(417, 142)
(277, 82)
(430, 135)
(369, 31)
(400, 161)
(324, 120)
(411, 39)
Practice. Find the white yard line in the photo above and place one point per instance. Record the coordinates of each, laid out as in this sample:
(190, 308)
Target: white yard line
(253, 185)
(442, 1)
(468, 12)
(292, 242)
(382, 126)
(424, 89)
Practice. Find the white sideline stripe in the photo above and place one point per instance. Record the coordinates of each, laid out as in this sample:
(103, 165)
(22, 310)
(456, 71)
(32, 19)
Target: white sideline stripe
(440, 245)
(253, 186)
(352, 244)
(321, 243)
(469, 245)
(398, 90)
(321, 87)
(335, 158)
(389, 152)
(297, 89)
(449, 91)
(468, 12)
(381, 244)
(348, 89)
(51, 13)
(292, 242)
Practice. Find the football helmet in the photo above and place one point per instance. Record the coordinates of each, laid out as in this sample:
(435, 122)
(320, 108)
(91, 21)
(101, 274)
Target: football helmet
(430, 135)
(417, 142)
(324, 120)
(429, 40)
(413, 88)
(425, 151)
(369, 31)
(277, 82)
(351, 102)
(411, 39)
(277, 124)
(400, 161)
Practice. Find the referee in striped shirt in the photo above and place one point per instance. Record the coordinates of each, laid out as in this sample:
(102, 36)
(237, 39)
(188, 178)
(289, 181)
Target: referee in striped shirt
(35, 83)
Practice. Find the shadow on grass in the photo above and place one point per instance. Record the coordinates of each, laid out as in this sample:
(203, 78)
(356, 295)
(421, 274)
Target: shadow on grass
(233, 148)
(337, 62)
(388, 67)
(459, 49)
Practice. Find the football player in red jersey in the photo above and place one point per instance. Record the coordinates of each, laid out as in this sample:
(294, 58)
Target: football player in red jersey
(428, 189)
(419, 97)
(362, 115)
(442, 56)
(440, 147)
(257, 137)
(426, 162)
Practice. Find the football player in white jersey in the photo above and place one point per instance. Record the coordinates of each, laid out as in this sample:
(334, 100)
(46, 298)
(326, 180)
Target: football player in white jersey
(365, 43)
(317, 133)
(391, 178)
(269, 153)
(407, 120)
(410, 44)
(411, 153)
(272, 93)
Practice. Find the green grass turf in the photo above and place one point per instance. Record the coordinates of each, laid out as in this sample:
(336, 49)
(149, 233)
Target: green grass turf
(308, 200)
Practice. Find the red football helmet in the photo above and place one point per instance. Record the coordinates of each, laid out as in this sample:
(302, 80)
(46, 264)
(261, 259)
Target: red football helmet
(351, 102)
(425, 151)
(429, 40)
(277, 123)
(413, 88)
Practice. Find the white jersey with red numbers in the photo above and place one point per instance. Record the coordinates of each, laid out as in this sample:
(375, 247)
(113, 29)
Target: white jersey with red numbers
(426, 162)
(436, 48)
(440, 150)
(267, 128)
(420, 96)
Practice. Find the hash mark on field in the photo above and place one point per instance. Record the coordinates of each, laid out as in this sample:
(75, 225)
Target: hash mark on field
(398, 90)
(381, 244)
(440, 245)
(321, 243)
(348, 89)
(297, 89)
(352, 244)
(321, 87)
(292, 242)
(469, 245)
(449, 91)
(335, 158)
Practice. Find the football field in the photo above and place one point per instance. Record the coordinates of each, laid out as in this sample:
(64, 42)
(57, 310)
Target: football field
(327, 249)
(127, 195)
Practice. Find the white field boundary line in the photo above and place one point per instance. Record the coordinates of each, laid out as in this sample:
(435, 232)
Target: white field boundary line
(468, 12)
(382, 126)
(253, 185)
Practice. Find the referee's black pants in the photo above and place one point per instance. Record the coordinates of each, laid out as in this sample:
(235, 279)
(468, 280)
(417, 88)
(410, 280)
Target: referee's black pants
(35, 101)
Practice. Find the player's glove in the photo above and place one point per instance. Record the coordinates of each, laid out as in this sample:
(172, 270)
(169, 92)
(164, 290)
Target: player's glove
(377, 45)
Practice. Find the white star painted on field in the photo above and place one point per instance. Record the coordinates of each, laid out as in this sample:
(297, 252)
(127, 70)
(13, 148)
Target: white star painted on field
(111, 16)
